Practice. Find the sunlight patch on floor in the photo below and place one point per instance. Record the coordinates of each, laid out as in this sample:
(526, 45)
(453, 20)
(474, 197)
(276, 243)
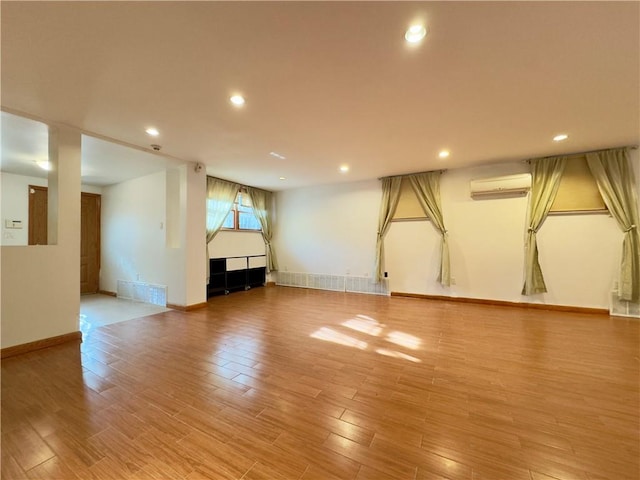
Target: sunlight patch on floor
(331, 335)
(396, 354)
(362, 324)
(404, 340)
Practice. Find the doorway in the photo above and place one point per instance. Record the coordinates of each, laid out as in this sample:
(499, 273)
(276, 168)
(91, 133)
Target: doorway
(89, 233)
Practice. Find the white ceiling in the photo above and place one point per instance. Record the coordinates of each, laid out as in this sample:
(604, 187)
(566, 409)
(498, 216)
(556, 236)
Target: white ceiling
(329, 83)
(25, 143)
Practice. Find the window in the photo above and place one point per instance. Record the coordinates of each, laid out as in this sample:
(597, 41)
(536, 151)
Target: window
(408, 205)
(241, 216)
(578, 191)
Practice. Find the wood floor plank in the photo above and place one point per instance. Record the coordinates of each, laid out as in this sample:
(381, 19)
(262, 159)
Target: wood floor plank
(26, 447)
(166, 447)
(376, 459)
(262, 472)
(52, 468)
(119, 448)
(288, 464)
(315, 472)
(323, 455)
(281, 383)
(368, 473)
(215, 457)
(109, 469)
(76, 453)
(9, 468)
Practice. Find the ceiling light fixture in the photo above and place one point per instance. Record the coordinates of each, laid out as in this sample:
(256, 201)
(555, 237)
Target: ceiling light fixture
(415, 33)
(152, 131)
(444, 153)
(283, 178)
(44, 164)
(277, 155)
(561, 137)
(237, 100)
(344, 168)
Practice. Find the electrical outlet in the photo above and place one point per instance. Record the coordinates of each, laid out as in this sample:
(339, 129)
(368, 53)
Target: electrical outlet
(453, 281)
(348, 272)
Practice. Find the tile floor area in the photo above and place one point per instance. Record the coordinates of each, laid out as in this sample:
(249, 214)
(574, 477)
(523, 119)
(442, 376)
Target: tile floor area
(99, 310)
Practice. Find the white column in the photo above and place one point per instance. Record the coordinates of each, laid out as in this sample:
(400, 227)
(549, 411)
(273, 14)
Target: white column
(186, 250)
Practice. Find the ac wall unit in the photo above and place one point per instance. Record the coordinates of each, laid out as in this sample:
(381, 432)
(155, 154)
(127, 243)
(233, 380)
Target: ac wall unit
(506, 186)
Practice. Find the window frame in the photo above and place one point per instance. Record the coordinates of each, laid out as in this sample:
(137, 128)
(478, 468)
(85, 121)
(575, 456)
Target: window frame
(236, 216)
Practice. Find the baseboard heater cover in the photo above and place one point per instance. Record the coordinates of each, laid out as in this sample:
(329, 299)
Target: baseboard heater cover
(143, 292)
(336, 283)
(623, 308)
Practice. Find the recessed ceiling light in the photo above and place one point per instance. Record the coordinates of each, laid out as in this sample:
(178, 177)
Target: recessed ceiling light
(44, 164)
(277, 155)
(444, 153)
(344, 168)
(237, 100)
(561, 137)
(283, 178)
(152, 131)
(415, 33)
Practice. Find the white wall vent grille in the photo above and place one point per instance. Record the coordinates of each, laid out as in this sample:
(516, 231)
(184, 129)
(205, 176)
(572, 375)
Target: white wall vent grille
(125, 290)
(325, 282)
(292, 279)
(142, 292)
(336, 283)
(622, 308)
(366, 285)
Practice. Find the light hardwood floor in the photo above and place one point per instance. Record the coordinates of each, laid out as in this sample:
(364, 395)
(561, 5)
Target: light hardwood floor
(283, 383)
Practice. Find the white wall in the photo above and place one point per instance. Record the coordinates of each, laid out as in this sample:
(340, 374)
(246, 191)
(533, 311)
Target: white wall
(332, 230)
(329, 229)
(40, 283)
(487, 248)
(133, 235)
(136, 244)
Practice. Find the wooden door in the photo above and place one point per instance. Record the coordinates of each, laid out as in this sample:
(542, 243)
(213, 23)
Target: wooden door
(90, 243)
(38, 212)
(89, 233)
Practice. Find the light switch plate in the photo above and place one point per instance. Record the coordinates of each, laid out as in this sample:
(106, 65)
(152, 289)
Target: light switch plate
(13, 224)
